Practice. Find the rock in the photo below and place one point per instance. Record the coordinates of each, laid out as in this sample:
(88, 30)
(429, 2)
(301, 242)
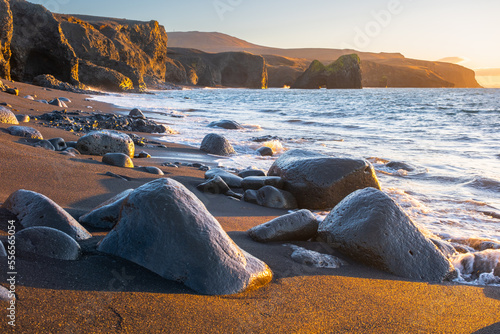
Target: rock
(107, 214)
(189, 245)
(58, 103)
(343, 73)
(271, 197)
(25, 131)
(106, 141)
(371, 228)
(72, 150)
(296, 226)
(251, 172)
(48, 242)
(225, 124)
(234, 195)
(265, 151)
(118, 159)
(214, 186)
(6, 31)
(216, 144)
(3, 253)
(7, 116)
(29, 97)
(5, 294)
(151, 170)
(257, 182)
(65, 99)
(12, 91)
(71, 144)
(321, 182)
(58, 143)
(45, 144)
(33, 209)
(231, 180)
(136, 113)
(103, 78)
(397, 165)
(23, 118)
(49, 81)
(143, 155)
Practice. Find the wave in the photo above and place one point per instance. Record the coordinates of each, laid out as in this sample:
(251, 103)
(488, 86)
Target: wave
(484, 183)
(481, 268)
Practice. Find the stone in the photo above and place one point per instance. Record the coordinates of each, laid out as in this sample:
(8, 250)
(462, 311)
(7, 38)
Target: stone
(71, 150)
(214, 186)
(49, 81)
(12, 91)
(271, 197)
(371, 228)
(45, 144)
(143, 155)
(34, 209)
(321, 182)
(5, 294)
(265, 151)
(7, 116)
(296, 226)
(58, 103)
(103, 78)
(225, 124)
(106, 141)
(58, 143)
(167, 229)
(136, 113)
(29, 97)
(231, 180)
(216, 144)
(118, 159)
(151, 170)
(25, 131)
(48, 242)
(71, 144)
(65, 99)
(23, 118)
(106, 215)
(251, 172)
(257, 182)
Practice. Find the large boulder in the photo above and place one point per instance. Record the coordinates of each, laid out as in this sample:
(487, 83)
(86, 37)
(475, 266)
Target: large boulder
(103, 78)
(107, 214)
(167, 229)
(371, 228)
(118, 159)
(7, 116)
(39, 45)
(25, 131)
(48, 242)
(225, 124)
(257, 182)
(49, 81)
(6, 30)
(231, 180)
(343, 73)
(34, 209)
(106, 141)
(321, 182)
(216, 144)
(296, 226)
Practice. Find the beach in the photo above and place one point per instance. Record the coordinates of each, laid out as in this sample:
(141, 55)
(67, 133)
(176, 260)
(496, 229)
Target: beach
(104, 294)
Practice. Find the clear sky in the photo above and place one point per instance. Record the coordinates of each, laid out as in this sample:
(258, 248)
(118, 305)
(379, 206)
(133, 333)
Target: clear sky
(422, 29)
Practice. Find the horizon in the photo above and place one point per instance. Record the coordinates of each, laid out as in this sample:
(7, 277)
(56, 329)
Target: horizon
(460, 31)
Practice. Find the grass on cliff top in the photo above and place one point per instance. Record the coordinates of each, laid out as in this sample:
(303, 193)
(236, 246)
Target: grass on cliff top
(343, 61)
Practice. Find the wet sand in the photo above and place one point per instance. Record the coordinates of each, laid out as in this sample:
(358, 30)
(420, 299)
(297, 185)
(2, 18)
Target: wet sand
(104, 294)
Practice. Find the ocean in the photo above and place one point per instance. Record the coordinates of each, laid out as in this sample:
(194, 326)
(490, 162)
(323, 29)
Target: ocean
(436, 151)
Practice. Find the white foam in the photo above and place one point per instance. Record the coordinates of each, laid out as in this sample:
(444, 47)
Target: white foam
(315, 259)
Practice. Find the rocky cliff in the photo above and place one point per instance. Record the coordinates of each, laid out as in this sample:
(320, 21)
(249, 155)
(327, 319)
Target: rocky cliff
(6, 29)
(284, 71)
(227, 69)
(345, 72)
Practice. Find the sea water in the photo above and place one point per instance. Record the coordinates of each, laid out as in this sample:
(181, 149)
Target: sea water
(436, 151)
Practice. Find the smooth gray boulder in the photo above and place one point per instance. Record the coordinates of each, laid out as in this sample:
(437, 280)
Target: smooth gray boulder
(257, 182)
(320, 182)
(265, 151)
(7, 116)
(167, 229)
(48, 242)
(106, 141)
(271, 197)
(45, 144)
(226, 124)
(216, 144)
(24, 131)
(118, 160)
(136, 113)
(251, 172)
(151, 170)
(34, 209)
(371, 228)
(58, 143)
(231, 180)
(296, 226)
(214, 186)
(106, 215)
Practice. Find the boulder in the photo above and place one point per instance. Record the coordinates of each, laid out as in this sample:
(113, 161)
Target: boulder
(6, 31)
(143, 155)
(48, 242)
(231, 180)
(23, 118)
(45, 144)
(7, 116)
(103, 78)
(118, 159)
(371, 228)
(25, 131)
(251, 172)
(107, 214)
(49, 81)
(214, 186)
(271, 197)
(151, 170)
(34, 209)
(265, 151)
(12, 91)
(257, 182)
(58, 143)
(321, 182)
(216, 144)
(225, 124)
(167, 229)
(58, 103)
(296, 226)
(106, 141)
(136, 113)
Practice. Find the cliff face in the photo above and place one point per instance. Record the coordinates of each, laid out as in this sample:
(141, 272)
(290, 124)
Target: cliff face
(6, 30)
(284, 71)
(39, 46)
(343, 73)
(228, 69)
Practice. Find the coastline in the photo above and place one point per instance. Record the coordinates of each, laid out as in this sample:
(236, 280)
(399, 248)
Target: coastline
(87, 296)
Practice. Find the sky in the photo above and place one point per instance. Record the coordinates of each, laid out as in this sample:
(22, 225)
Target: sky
(421, 29)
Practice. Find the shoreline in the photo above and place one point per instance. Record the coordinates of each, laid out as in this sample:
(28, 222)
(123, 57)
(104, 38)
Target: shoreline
(85, 295)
